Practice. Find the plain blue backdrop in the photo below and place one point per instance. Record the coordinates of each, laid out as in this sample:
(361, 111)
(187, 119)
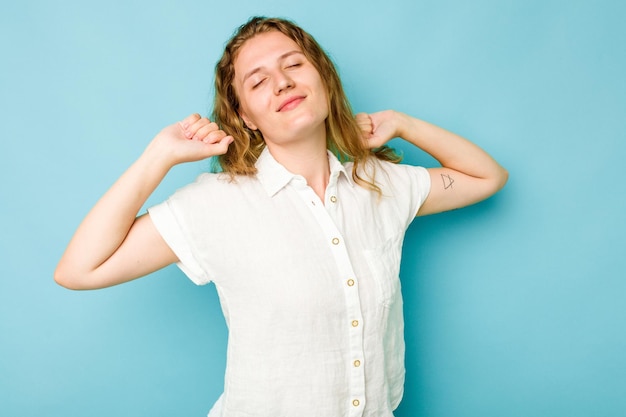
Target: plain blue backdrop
(514, 307)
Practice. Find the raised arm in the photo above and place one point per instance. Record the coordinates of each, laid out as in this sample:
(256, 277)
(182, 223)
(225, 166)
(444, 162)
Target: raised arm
(112, 245)
(467, 174)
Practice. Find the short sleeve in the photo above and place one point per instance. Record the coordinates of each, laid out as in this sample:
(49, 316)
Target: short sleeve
(407, 186)
(167, 224)
(420, 186)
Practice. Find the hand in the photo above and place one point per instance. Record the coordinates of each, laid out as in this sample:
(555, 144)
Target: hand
(192, 139)
(377, 128)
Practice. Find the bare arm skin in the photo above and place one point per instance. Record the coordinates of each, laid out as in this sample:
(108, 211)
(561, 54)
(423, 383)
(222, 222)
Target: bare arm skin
(112, 245)
(467, 174)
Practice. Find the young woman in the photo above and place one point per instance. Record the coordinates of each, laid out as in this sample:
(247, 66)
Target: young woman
(301, 233)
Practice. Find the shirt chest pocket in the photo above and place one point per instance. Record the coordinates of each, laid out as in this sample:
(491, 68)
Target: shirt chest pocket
(384, 266)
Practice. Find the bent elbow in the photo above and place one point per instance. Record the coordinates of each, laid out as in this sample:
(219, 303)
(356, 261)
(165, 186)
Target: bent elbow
(503, 178)
(65, 279)
(496, 182)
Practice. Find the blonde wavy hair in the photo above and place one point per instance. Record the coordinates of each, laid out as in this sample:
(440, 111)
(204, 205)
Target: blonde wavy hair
(343, 136)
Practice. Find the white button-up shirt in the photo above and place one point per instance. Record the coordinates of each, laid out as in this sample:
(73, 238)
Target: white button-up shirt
(310, 289)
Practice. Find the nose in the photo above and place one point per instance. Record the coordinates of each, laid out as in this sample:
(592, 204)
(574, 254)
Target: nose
(283, 82)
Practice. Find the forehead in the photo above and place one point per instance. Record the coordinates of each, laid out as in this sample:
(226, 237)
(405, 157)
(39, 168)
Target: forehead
(262, 50)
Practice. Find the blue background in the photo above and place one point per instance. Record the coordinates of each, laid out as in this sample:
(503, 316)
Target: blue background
(514, 307)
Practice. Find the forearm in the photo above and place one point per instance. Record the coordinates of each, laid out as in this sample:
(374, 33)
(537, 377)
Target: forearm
(451, 150)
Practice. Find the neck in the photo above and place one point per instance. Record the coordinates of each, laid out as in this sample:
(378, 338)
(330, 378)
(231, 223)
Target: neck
(306, 158)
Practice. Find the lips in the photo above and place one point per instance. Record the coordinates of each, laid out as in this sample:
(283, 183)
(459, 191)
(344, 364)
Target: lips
(290, 103)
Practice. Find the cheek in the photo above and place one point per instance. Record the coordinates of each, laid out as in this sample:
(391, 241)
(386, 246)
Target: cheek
(321, 87)
(256, 102)
(255, 109)
(324, 99)
(253, 117)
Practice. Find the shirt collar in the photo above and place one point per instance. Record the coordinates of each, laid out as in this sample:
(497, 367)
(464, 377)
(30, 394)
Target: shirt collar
(273, 176)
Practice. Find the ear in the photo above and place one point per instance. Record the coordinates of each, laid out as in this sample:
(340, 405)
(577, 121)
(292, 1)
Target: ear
(249, 123)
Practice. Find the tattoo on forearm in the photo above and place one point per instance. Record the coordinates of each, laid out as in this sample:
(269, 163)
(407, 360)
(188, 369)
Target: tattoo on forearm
(447, 181)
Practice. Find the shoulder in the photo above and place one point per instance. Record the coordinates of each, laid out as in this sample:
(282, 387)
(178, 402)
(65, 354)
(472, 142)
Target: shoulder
(391, 176)
(220, 180)
(402, 189)
(211, 198)
(215, 189)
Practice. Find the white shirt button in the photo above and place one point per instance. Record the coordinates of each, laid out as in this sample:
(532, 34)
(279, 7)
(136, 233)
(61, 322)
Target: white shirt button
(350, 282)
(356, 403)
(357, 363)
(355, 323)
(335, 241)
(333, 199)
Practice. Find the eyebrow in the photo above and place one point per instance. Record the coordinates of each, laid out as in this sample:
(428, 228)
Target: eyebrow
(280, 58)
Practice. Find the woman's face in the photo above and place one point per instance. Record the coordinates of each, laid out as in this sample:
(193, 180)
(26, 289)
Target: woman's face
(280, 92)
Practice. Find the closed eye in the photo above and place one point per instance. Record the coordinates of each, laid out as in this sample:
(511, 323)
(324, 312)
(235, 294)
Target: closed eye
(258, 84)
